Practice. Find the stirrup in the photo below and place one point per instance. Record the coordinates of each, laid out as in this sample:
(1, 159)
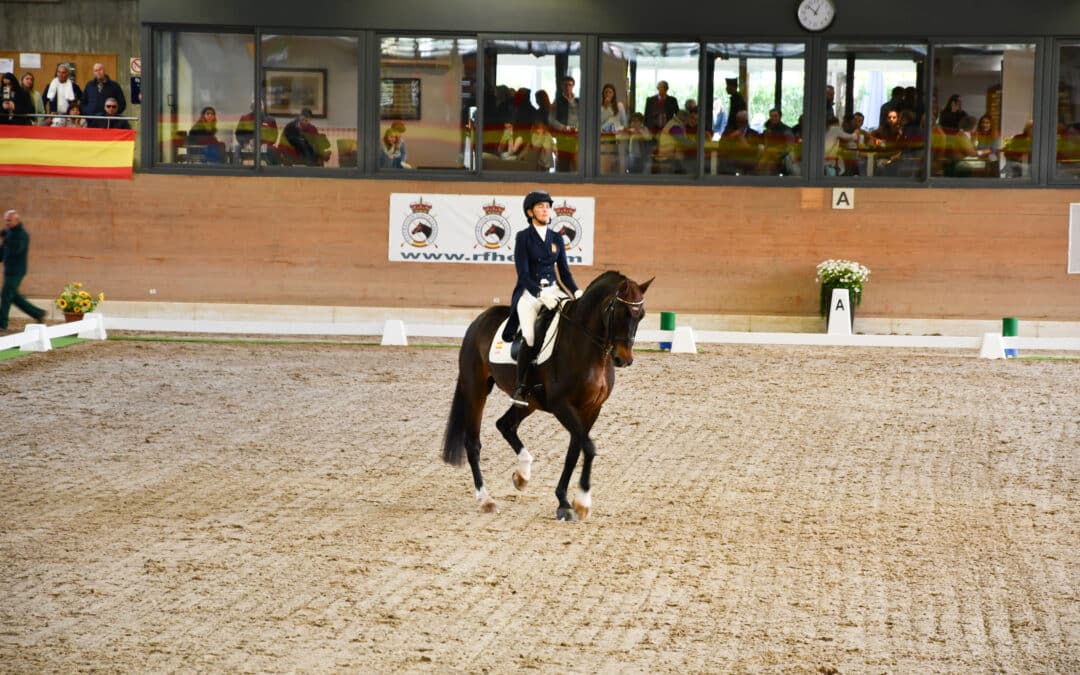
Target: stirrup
(520, 397)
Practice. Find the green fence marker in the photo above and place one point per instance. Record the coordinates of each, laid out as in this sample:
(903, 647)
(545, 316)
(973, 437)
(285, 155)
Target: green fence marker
(1010, 327)
(667, 322)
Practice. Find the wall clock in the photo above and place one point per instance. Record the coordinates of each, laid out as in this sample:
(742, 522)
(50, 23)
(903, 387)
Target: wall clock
(815, 15)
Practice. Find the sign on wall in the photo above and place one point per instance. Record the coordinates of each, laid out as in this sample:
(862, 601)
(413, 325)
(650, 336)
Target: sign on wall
(480, 228)
(1074, 238)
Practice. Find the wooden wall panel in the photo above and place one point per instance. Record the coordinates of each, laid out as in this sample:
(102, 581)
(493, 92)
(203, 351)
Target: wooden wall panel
(934, 253)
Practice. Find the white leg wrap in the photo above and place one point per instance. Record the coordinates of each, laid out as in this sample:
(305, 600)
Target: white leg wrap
(482, 495)
(584, 499)
(527, 308)
(525, 461)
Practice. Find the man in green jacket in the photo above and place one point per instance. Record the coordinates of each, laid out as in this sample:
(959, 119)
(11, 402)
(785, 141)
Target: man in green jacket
(15, 248)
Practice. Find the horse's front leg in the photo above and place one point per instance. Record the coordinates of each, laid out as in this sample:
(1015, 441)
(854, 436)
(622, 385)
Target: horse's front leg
(579, 443)
(508, 426)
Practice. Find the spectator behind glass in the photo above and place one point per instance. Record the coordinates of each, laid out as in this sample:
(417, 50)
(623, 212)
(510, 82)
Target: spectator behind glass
(96, 93)
(301, 142)
(612, 125)
(566, 124)
(951, 114)
(203, 136)
(35, 98)
(639, 144)
(112, 108)
(245, 130)
(393, 153)
(539, 154)
(987, 140)
(543, 107)
(62, 92)
(15, 103)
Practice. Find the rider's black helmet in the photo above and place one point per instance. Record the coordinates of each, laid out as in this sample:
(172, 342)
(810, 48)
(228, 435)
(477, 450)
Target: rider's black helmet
(534, 198)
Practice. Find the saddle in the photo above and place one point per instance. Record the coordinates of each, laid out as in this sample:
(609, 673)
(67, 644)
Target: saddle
(547, 328)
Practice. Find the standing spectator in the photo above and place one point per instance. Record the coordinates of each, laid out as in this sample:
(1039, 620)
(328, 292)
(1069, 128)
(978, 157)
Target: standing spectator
(112, 107)
(566, 126)
(15, 248)
(830, 102)
(15, 103)
(639, 144)
(951, 114)
(96, 93)
(612, 124)
(543, 107)
(659, 110)
(736, 104)
(35, 98)
(62, 93)
(893, 103)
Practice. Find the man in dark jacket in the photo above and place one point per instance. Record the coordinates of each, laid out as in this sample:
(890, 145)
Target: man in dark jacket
(96, 92)
(15, 248)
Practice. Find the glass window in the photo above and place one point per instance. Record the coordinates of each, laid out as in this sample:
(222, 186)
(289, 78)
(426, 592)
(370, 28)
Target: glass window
(206, 84)
(309, 94)
(427, 95)
(1068, 115)
(754, 120)
(649, 116)
(876, 115)
(531, 97)
(983, 98)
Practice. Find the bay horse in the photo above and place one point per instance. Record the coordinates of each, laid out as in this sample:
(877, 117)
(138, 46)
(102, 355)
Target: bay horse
(595, 335)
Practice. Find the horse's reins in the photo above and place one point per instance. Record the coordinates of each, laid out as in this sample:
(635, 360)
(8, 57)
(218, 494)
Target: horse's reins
(609, 310)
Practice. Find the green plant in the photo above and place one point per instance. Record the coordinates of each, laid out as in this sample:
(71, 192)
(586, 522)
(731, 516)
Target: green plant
(841, 274)
(76, 299)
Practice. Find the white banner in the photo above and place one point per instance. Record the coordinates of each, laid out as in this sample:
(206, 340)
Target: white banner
(481, 228)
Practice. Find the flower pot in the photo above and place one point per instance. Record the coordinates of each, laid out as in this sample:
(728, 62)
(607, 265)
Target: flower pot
(73, 316)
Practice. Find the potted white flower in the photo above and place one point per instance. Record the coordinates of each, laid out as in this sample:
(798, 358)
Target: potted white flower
(841, 274)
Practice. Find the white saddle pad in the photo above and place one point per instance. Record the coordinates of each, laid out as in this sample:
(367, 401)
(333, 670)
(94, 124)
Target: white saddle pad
(500, 350)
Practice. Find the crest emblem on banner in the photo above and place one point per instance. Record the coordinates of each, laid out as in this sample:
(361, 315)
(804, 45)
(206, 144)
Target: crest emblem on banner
(567, 225)
(493, 229)
(420, 228)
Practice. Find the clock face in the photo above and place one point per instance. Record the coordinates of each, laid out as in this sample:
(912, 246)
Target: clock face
(816, 14)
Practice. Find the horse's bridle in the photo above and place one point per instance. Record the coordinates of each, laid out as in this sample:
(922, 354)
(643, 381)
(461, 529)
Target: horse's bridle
(608, 343)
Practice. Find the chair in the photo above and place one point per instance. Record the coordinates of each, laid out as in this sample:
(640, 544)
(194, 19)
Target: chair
(346, 148)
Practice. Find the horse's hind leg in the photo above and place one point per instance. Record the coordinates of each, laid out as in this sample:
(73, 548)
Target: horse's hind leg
(508, 425)
(474, 415)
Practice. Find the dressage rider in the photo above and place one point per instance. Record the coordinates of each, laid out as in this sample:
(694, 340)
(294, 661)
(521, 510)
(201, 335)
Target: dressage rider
(537, 251)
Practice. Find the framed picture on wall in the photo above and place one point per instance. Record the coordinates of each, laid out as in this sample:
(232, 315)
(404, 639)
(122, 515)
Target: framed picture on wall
(399, 98)
(290, 90)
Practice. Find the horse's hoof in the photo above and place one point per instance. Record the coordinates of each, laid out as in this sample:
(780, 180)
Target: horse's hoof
(520, 481)
(563, 513)
(581, 510)
(489, 506)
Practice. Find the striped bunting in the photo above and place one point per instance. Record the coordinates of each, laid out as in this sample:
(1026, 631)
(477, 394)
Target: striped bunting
(65, 151)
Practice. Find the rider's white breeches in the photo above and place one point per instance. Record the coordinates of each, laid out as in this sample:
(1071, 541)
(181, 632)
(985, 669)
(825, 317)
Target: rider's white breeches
(528, 307)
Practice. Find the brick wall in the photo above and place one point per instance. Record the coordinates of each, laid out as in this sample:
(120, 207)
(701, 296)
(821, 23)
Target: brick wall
(934, 253)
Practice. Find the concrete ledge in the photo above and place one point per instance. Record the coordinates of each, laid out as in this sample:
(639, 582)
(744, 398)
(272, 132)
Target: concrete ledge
(375, 317)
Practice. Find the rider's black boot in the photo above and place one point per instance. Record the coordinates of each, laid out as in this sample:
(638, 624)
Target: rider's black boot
(524, 362)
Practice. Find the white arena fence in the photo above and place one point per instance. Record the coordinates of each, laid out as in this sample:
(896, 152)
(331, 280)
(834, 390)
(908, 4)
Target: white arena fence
(36, 337)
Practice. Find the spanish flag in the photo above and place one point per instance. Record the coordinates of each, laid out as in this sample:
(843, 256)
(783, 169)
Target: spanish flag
(66, 151)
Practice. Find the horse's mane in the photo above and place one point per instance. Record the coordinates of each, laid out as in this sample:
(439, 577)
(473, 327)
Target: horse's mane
(606, 283)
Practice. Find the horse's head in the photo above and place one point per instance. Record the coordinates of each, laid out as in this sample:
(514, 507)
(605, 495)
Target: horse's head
(624, 312)
(495, 230)
(422, 227)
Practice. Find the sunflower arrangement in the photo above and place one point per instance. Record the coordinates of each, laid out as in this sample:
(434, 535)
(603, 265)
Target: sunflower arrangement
(77, 299)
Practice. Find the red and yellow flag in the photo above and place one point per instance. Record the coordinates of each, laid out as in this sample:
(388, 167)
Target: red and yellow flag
(66, 151)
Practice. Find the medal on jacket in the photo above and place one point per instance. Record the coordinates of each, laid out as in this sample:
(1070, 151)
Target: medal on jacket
(554, 249)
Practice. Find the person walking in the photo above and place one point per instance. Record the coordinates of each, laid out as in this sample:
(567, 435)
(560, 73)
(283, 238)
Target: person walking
(538, 251)
(15, 248)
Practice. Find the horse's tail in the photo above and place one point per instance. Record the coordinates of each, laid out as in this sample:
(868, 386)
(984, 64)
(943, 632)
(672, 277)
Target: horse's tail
(453, 449)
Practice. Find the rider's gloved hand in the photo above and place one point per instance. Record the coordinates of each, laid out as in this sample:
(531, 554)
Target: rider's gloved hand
(549, 296)
(578, 293)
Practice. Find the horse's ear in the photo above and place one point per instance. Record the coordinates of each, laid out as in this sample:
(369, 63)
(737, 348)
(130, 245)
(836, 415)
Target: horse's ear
(645, 286)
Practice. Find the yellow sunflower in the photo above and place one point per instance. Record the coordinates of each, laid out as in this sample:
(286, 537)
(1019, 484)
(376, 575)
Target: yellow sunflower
(101, 296)
(61, 303)
(84, 294)
(77, 284)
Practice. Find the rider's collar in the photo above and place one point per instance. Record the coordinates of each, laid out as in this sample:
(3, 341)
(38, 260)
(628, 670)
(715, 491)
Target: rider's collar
(541, 230)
